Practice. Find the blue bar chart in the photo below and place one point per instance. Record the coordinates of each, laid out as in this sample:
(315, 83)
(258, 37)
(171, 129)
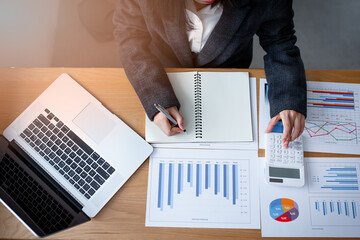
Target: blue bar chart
(200, 190)
(335, 211)
(333, 178)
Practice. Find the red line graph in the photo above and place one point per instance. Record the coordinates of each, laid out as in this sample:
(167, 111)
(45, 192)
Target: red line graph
(347, 128)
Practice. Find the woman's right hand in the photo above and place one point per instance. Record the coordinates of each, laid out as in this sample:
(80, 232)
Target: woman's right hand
(163, 123)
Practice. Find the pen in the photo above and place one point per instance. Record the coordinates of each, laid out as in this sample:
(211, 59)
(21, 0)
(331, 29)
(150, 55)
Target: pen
(167, 114)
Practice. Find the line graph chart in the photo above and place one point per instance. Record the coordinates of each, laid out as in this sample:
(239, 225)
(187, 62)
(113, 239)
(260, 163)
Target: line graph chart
(333, 119)
(332, 132)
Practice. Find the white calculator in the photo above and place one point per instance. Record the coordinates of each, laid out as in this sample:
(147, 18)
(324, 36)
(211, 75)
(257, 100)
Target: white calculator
(284, 166)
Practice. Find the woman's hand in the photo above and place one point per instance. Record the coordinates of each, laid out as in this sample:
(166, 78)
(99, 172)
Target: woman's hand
(290, 119)
(163, 123)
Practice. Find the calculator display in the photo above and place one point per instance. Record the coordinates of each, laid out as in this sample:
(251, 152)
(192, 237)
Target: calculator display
(284, 172)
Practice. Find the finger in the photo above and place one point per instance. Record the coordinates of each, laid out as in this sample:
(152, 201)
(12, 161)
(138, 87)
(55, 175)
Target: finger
(302, 124)
(163, 123)
(286, 120)
(297, 128)
(272, 123)
(177, 116)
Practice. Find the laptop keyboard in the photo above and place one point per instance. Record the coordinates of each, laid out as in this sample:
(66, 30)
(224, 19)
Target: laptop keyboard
(67, 153)
(41, 207)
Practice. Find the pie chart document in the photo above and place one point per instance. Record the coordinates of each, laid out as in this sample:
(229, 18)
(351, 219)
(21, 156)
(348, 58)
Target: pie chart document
(328, 205)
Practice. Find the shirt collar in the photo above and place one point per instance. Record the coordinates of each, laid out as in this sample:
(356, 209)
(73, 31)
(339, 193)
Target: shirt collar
(208, 10)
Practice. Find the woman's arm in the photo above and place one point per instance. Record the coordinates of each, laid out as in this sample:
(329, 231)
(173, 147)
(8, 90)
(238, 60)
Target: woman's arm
(284, 69)
(143, 69)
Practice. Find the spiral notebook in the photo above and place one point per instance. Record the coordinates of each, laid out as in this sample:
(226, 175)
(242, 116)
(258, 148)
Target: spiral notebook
(215, 107)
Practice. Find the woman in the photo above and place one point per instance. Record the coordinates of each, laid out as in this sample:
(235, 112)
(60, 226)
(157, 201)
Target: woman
(153, 34)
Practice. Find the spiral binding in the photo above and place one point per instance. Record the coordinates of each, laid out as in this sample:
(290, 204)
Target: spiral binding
(198, 105)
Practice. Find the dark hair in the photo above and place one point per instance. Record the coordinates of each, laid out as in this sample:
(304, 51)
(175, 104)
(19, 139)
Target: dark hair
(174, 10)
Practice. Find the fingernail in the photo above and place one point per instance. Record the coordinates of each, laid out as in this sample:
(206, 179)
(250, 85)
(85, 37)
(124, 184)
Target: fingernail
(182, 126)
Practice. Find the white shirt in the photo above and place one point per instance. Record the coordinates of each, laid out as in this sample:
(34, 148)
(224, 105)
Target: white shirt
(203, 23)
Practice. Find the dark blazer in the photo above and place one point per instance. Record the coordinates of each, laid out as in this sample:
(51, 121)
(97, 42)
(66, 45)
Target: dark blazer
(148, 43)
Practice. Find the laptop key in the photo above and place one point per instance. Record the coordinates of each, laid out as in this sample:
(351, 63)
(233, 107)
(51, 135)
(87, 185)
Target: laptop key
(38, 123)
(106, 165)
(61, 172)
(73, 166)
(66, 168)
(57, 159)
(81, 182)
(59, 152)
(52, 155)
(87, 196)
(65, 139)
(42, 146)
(51, 162)
(87, 168)
(22, 135)
(95, 156)
(78, 170)
(66, 176)
(83, 175)
(91, 191)
(76, 177)
(94, 165)
(54, 148)
(56, 130)
(67, 150)
(100, 161)
(27, 132)
(61, 135)
(86, 187)
(44, 129)
(89, 161)
(111, 170)
(60, 124)
(68, 161)
(88, 179)
(92, 173)
(61, 164)
(94, 185)
(37, 149)
(70, 143)
(49, 134)
(62, 146)
(36, 130)
(80, 142)
(65, 129)
(99, 179)
(47, 158)
(102, 173)
(76, 185)
(72, 155)
(71, 181)
(82, 191)
(64, 156)
(77, 159)
(51, 126)
(43, 119)
(42, 154)
(84, 156)
(71, 173)
(74, 148)
(82, 164)
(50, 116)
(56, 167)
(40, 135)
(31, 126)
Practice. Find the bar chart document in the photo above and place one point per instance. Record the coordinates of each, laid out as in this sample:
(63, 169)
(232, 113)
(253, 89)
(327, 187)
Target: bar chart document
(203, 188)
(327, 206)
(333, 117)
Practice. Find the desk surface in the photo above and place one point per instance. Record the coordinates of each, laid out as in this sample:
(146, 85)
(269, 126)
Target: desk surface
(124, 216)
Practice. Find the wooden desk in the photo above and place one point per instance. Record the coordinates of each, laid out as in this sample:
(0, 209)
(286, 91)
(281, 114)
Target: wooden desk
(124, 216)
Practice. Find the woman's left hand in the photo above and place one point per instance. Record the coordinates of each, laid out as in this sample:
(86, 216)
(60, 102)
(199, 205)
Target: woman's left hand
(290, 120)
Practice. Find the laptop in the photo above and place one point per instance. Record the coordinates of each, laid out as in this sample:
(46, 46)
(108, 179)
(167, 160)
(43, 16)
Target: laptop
(64, 158)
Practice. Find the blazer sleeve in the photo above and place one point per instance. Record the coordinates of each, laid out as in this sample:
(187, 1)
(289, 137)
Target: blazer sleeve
(143, 69)
(283, 65)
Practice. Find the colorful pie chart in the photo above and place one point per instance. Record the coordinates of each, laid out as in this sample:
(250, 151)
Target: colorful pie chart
(284, 210)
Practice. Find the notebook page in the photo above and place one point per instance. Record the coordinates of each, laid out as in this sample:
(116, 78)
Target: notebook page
(226, 106)
(183, 85)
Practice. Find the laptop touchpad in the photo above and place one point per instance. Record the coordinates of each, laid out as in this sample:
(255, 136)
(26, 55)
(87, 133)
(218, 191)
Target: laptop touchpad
(95, 123)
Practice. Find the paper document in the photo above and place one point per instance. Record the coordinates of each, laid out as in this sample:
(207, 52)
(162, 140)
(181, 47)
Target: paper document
(253, 145)
(333, 117)
(203, 188)
(327, 206)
